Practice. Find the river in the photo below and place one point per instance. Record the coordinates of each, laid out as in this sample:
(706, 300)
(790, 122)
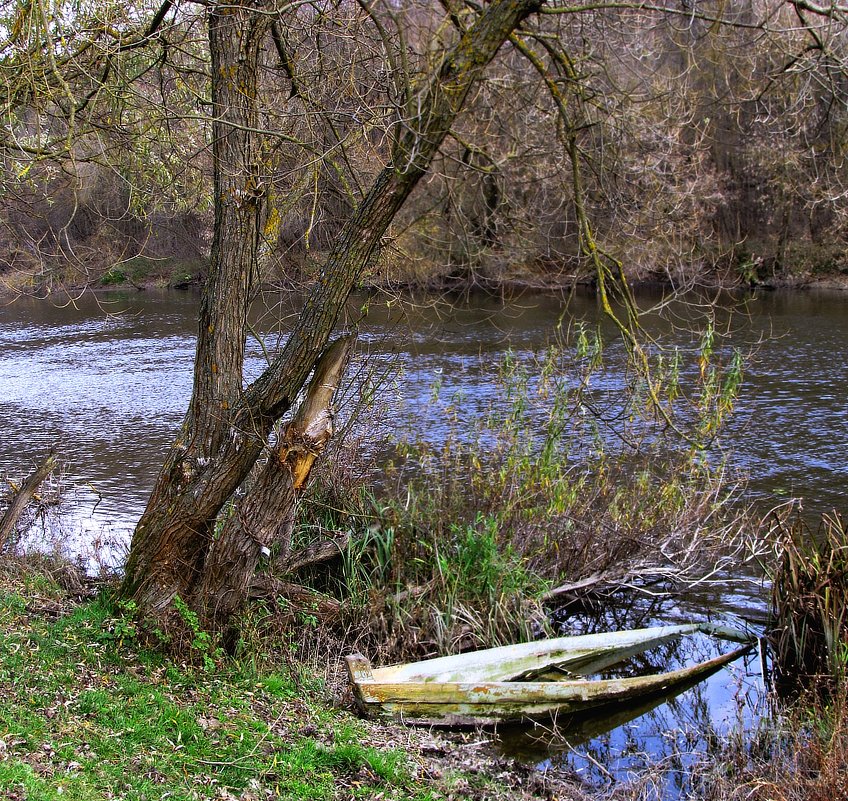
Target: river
(108, 380)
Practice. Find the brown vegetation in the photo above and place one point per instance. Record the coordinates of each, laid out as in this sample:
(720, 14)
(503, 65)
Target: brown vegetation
(810, 602)
(800, 754)
(711, 146)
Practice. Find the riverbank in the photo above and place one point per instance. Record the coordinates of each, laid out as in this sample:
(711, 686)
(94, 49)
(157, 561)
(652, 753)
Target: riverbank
(127, 379)
(88, 713)
(143, 274)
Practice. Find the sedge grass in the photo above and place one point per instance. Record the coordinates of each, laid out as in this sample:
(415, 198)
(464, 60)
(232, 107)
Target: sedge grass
(810, 601)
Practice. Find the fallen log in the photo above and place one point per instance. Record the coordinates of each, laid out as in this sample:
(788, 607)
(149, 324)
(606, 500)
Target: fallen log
(23, 496)
(294, 599)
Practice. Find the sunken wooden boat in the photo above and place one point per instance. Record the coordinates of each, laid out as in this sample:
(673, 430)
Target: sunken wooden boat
(533, 680)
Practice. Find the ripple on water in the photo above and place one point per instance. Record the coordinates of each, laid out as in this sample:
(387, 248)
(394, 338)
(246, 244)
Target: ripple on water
(114, 388)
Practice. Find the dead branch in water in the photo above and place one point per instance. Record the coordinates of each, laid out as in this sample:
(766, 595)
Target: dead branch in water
(24, 495)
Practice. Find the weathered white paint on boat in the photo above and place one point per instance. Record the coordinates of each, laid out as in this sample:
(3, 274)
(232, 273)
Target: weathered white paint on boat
(504, 683)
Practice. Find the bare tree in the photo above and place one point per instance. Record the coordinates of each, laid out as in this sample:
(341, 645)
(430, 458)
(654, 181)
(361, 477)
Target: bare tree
(227, 427)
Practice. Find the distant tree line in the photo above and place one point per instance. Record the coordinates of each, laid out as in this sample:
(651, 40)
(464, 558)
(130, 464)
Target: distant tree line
(704, 145)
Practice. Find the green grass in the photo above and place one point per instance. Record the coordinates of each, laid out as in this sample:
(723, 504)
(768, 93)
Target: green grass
(141, 269)
(87, 714)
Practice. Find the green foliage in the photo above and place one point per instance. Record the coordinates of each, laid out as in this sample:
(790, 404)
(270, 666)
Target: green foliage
(474, 562)
(121, 627)
(202, 643)
(367, 560)
(113, 276)
(719, 387)
(281, 687)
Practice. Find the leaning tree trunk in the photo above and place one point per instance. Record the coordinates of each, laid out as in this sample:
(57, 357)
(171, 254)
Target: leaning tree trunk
(263, 519)
(19, 502)
(226, 430)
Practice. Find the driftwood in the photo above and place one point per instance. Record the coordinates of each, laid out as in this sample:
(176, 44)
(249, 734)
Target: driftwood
(23, 496)
(576, 588)
(315, 553)
(649, 579)
(295, 598)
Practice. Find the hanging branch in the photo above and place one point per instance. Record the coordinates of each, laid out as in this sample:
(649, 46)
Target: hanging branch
(608, 269)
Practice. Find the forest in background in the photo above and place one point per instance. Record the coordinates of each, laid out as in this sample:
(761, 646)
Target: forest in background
(709, 151)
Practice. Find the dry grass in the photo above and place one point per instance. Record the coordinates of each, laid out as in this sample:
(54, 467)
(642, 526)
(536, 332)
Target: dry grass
(810, 600)
(800, 754)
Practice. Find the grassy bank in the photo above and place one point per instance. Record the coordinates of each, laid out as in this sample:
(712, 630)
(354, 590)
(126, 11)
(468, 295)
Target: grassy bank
(806, 268)
(138, 272)
(88, 714)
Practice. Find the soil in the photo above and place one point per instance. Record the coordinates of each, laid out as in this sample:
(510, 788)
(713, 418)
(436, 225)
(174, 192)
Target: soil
(467, 766)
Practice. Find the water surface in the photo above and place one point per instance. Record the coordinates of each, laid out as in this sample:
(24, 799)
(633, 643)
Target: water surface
(109, 381)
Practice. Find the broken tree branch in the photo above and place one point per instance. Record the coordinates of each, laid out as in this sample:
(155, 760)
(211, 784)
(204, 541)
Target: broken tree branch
(24, 495)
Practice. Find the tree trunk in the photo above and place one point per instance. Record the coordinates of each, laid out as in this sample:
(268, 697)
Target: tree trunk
(170, 542)
(264, 517)
(225, 429)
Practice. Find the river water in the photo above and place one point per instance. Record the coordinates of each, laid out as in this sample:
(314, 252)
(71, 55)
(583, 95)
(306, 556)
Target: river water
(108, 380)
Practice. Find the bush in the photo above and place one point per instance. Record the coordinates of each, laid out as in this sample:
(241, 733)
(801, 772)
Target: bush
(459, 548)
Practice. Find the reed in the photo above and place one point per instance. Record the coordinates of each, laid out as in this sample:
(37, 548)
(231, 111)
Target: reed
(798, 754)
(810, 601)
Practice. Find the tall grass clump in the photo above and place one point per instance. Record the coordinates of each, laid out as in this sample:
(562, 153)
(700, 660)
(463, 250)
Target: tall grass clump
(810, 601)
(570, 475)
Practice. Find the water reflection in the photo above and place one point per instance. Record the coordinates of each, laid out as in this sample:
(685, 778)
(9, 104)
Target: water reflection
(661, 737)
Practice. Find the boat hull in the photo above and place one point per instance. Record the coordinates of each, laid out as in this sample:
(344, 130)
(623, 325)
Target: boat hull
(379, 694)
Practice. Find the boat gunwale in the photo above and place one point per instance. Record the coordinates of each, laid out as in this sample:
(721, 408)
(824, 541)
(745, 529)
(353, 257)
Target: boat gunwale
(547, 690)
(486, 661)
(476, 700)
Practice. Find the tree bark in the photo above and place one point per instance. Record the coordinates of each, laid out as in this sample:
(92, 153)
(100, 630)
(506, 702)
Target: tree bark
(225, 429)
(264, 517)
(171, 540)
